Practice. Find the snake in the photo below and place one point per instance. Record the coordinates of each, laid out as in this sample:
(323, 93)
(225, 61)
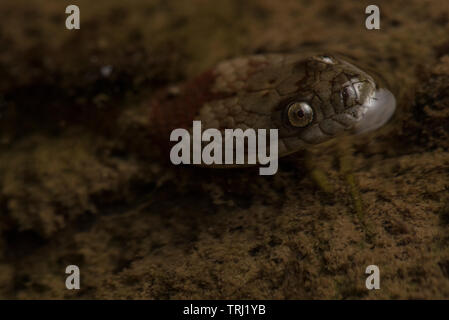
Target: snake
(309, 100)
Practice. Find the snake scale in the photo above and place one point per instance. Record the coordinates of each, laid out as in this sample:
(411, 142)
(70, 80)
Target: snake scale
(310, 100)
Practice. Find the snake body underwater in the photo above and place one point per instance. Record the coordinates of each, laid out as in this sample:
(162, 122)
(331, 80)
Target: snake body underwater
(309, 100)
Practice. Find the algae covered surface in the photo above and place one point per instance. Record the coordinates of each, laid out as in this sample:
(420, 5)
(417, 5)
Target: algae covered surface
(81, 183)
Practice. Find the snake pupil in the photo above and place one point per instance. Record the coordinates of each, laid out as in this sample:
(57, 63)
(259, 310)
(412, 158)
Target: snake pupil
(300, 114)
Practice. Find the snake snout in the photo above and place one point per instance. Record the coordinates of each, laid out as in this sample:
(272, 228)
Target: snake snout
(376, 111)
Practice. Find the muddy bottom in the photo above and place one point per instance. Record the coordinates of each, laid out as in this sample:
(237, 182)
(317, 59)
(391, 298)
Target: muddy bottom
(82, 184)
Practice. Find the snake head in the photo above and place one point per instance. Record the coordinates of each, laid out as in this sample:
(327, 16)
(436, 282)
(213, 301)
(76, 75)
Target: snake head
(308, 100)
(332, 97)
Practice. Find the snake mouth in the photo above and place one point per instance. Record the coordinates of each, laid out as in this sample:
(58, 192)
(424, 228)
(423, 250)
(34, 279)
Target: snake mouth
(375, 112)
(371, 115)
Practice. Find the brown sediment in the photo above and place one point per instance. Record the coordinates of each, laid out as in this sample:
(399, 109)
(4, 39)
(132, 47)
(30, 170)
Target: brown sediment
(71, 194)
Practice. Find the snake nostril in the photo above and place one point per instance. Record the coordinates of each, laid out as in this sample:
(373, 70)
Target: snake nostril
(348, 96)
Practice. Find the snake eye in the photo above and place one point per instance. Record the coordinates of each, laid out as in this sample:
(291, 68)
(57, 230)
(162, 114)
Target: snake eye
(300, 114)
(327, 59)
